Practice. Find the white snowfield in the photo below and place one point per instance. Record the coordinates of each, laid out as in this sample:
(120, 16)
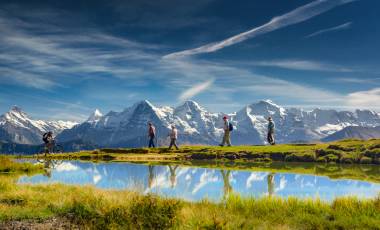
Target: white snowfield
(195, 124)
(18, 127)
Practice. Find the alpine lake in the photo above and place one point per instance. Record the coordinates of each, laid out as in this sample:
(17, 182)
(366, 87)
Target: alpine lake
(215, 181)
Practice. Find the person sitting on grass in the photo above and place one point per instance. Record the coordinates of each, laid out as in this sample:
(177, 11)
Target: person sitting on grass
(173, 137)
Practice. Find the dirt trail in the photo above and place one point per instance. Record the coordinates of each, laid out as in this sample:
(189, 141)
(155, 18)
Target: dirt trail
(47, 224)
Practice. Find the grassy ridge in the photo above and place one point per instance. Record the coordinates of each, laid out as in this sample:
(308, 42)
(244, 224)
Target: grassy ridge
(105, 209)
(346, 151)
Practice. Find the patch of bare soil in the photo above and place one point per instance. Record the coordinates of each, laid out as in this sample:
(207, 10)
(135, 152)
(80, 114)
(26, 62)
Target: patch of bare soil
(47, 224)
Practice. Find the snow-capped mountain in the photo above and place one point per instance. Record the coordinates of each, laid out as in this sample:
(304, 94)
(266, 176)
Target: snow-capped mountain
(358, 132)
(196, 125)
(129, 127)
(17, 127)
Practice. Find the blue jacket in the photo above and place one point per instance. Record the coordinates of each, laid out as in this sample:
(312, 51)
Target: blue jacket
(271, 126)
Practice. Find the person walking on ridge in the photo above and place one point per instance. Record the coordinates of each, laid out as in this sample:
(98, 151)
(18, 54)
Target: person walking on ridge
(271, 127)
(173, 137)
(227, 127)
(151, 135)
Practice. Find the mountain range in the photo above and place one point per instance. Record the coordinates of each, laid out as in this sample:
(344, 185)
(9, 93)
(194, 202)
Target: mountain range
(195, 124)
(17, 127)
(357, 132)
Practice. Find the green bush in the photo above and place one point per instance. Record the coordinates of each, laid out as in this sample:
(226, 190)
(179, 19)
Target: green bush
(321, 159)
(331, 158)
(341, 148)
(366, 160)
(300, 157)
(347, 160)
(374, 153)
(325, 152)
(151, 212)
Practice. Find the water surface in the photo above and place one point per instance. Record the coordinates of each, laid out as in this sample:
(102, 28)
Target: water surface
(194, 183)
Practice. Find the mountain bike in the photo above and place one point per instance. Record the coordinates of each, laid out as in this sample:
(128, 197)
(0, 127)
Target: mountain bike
(53, 148)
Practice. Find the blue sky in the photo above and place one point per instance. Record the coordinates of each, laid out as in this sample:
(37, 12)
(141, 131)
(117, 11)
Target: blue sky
(63, 59)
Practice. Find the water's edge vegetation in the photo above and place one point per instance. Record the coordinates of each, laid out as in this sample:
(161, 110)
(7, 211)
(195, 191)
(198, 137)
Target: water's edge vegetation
(108, 209)
(8, 166)
(348, 151)
(111, 209)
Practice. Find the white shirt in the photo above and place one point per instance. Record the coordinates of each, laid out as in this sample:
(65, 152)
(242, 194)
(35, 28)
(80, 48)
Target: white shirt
(174, 134)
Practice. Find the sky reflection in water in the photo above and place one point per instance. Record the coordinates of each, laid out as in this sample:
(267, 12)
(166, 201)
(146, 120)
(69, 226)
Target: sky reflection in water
(192, 183)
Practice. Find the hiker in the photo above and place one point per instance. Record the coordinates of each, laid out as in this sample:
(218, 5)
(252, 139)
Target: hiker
(173, 137)
(271, 127)
(151, 135)
(48, 141)
(227, 130)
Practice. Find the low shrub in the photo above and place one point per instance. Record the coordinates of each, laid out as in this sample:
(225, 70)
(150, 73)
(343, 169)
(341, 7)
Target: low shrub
(341, 148)
(151, 212)
(125, 151)
(203, 156)
(321, 159)
(278, 156)
(366, 160)
(331, 158)
(300, 157)
(374, 146)
(374, 153)
(325, 152)
(347, 160)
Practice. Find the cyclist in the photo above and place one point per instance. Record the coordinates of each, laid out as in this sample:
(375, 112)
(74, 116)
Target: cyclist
(49, 141)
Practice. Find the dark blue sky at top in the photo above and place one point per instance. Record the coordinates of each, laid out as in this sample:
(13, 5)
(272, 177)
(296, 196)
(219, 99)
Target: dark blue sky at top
(62, 59)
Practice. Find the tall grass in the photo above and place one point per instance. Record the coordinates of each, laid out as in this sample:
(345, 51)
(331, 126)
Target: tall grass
(107, 209)
(7, 165)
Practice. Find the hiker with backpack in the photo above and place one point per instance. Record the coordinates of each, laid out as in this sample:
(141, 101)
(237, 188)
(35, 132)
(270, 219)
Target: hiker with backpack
(228, 127)
(270, 136)
(173, 137)
(151, 134)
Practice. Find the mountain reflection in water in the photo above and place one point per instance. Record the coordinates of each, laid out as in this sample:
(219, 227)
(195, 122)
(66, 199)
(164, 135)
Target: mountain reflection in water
(194, 183)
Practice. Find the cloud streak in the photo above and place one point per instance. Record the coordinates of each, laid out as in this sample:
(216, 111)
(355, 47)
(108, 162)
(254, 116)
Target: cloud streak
(196, 89)
(298, 15)
(335, 28)
(302, 65)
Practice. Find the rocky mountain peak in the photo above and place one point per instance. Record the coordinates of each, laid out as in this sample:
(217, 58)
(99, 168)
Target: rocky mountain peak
(95, 116)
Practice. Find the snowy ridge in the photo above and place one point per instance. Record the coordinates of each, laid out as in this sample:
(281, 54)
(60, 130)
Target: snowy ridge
(95, 116)
(196, 125)
(17, 127)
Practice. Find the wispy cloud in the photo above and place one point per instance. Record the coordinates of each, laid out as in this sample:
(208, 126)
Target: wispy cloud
(303, 65)
(42, 57)
(196, 89)
(356, 80)
(335, 28)
(298, 15)
(364, 99)
(244, 81)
